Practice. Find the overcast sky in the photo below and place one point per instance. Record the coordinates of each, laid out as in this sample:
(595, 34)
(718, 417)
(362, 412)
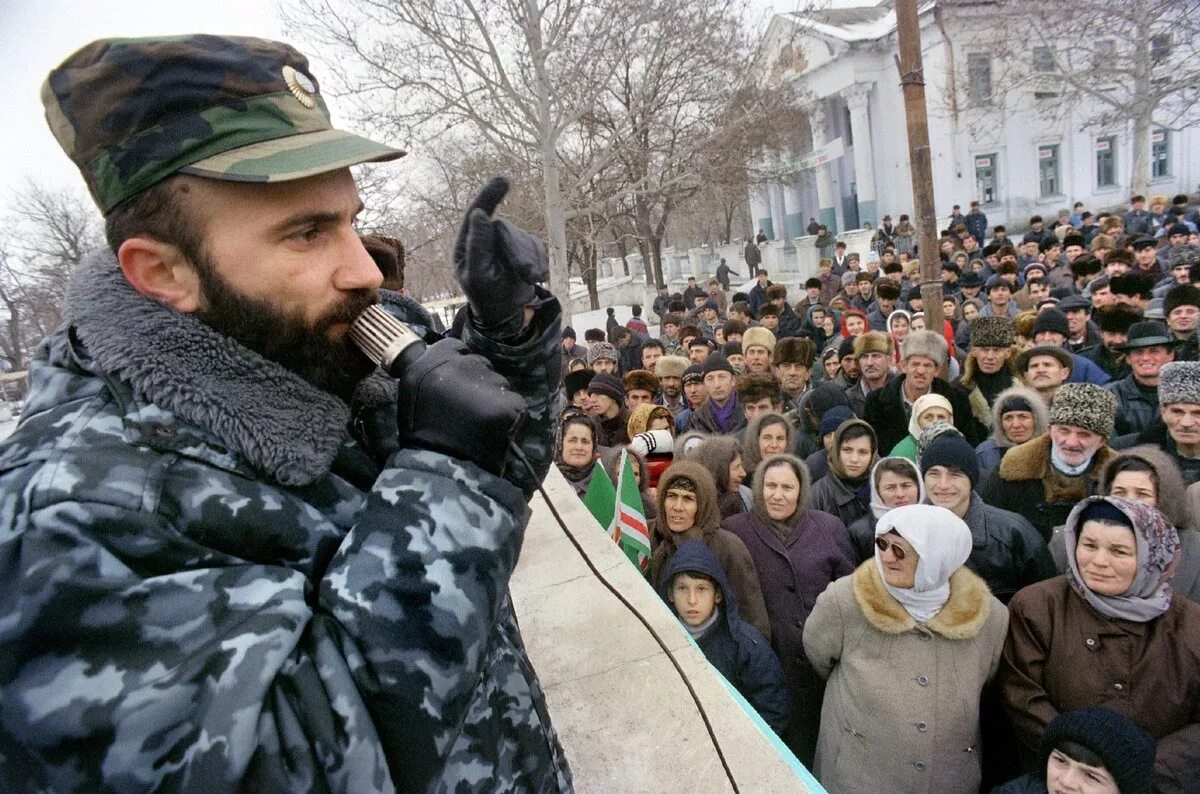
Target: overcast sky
(39, 34)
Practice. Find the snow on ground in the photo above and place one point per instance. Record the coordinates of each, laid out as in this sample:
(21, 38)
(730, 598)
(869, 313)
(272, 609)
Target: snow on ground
(581, 321)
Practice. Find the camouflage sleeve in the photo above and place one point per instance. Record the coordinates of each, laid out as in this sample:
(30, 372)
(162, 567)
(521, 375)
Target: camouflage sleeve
(533, 366)
(418, 586)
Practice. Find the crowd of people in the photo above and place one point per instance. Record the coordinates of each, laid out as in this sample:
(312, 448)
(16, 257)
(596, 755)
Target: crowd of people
(933, 559)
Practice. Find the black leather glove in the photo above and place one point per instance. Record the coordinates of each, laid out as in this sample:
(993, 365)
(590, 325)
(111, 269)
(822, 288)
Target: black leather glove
(451, 401)
(497, 265)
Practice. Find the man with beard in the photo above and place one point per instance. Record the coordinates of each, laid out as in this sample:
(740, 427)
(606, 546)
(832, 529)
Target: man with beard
(1044, 478)
(239, 555)
(669, 371)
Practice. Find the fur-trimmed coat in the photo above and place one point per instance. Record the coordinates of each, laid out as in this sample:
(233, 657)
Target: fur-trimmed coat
(901, 709)
(1025, 483)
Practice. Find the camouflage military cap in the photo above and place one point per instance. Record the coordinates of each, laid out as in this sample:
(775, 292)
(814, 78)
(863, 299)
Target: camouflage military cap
(132, 112)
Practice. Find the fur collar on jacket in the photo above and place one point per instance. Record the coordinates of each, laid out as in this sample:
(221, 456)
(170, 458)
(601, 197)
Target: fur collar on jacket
(963, 616)
(1030, 460)
(281, 424)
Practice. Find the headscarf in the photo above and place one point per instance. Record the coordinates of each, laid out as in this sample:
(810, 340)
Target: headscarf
(575, 474)
(878, 508)
(750, 454)
(835, 452)
(923, 404)
(641, 415)
(782, 529)
(942, 542)
(1157, 550)
(708, 515)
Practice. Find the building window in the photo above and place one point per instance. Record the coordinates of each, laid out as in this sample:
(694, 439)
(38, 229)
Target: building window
(1043, 60)
(1106, 161)
(1104, 55)
(1160, 154)
(979, 78)
(1160, 47)
(986, 182)
(1048, 171)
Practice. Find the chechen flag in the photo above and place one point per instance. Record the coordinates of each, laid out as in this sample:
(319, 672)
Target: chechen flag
(629, 527)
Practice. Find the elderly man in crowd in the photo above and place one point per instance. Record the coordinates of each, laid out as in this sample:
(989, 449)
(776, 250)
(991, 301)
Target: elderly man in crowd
(1148, 347)
(1177, 432)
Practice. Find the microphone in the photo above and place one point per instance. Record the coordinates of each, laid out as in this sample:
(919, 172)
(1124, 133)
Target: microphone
(385, 340)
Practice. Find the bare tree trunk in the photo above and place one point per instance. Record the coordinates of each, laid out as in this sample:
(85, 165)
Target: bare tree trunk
(1139, 179)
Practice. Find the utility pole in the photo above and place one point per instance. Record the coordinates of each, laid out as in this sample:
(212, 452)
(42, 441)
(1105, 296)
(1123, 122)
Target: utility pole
(912, 81)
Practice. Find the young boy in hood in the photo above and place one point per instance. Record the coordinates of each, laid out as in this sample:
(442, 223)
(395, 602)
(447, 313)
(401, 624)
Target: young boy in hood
(697, 590)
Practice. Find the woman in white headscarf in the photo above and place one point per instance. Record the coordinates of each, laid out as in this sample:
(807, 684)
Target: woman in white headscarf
(907, 643)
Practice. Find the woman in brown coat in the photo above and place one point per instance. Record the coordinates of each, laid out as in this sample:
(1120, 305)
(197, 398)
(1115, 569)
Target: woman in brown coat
(687, 509)
(907, 642)
(1110, 633)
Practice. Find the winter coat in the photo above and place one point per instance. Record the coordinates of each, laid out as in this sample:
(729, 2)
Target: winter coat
(832, 495)
(1025, 483)
(752, 255)
(614, 432)
(757, 298)
(1137, 406)
(1084, 370)
(1006, 550)
(884, 411)
(977, 223)
(793, 572)
(906, 448)
(1062, 654)
(739, 651)
(729, 550)
(989, 454)
(722, 275)
(901, 710)
(1115, 367)
(704, 420)
(216, 586)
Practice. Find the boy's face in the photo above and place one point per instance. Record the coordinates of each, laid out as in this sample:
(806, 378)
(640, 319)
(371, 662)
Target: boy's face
(694, 598)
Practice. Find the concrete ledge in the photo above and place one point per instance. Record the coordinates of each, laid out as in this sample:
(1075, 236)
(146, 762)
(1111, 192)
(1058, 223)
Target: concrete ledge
(625, 717)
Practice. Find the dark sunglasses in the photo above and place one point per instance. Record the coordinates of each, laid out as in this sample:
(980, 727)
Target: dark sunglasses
(883, 545)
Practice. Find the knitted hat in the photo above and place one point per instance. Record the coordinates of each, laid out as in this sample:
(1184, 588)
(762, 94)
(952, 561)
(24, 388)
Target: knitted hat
(1179, 382)
(731, 349)
(1127, 750)
(640, 379)
(670, 367)
(693, 374)
(569, 333)
(601, 350)
(954, 452)
(1117, 318)
(1088, 406)
(717, 363)
(793, 350)
(609, 386)
(929, 344)
(873, 342)
(758, 336)
(832, 419)
(1052, 320)
(990, 331)
(1181, 295)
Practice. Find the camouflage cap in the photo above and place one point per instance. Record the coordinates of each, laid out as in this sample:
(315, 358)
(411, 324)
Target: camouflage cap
(132, 112)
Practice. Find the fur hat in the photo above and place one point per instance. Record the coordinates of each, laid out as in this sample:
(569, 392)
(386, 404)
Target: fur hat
(1052, 320)
(991, 331)
(776, 291)
(888, 290)
(1088, 406)
(758, 336)
(794, 350)
(1181, 295)
(873, 342)
(601, 350)
(577, 381)
(670, 366)
(1116, 318)
(609, 386)
(1179, 382)
(752, 388)
(929, 344)
(1132, 284)
(640, 379)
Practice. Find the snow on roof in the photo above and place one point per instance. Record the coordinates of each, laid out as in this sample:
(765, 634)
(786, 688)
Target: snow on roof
(853, 20)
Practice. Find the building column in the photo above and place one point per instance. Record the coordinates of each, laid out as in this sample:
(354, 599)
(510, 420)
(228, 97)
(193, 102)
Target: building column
(794, 211)
(779, 213)
(826, 214)
(864, 166)
(760, 210)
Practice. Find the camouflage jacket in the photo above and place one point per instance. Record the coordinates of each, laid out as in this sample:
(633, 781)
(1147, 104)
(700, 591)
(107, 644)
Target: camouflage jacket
(210, 585)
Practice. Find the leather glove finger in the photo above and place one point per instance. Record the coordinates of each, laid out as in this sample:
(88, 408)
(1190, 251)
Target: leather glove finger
(524, 254)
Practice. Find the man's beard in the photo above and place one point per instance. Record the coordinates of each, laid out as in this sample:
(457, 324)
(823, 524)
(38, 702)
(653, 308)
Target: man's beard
(288, 340)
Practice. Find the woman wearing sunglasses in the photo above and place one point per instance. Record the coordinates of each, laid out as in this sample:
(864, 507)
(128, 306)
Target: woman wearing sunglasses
(907, 643)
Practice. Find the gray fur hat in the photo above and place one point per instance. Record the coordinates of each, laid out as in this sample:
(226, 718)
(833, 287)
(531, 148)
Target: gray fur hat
(1085, 405)
(1179, 382)
(925, 343)
(990, 331)
(601, 350)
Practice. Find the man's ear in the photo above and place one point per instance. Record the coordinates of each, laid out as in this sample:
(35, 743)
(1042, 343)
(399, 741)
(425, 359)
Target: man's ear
(161, 272)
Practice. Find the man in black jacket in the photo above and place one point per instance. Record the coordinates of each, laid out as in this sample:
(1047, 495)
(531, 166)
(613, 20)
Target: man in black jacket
(888, 409)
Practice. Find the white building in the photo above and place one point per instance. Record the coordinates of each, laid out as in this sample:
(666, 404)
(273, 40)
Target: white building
(995, 145)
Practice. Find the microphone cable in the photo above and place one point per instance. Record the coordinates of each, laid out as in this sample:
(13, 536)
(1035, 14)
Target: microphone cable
(712, 735)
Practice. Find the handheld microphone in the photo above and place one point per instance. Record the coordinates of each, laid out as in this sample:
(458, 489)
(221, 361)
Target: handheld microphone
(385, 340)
